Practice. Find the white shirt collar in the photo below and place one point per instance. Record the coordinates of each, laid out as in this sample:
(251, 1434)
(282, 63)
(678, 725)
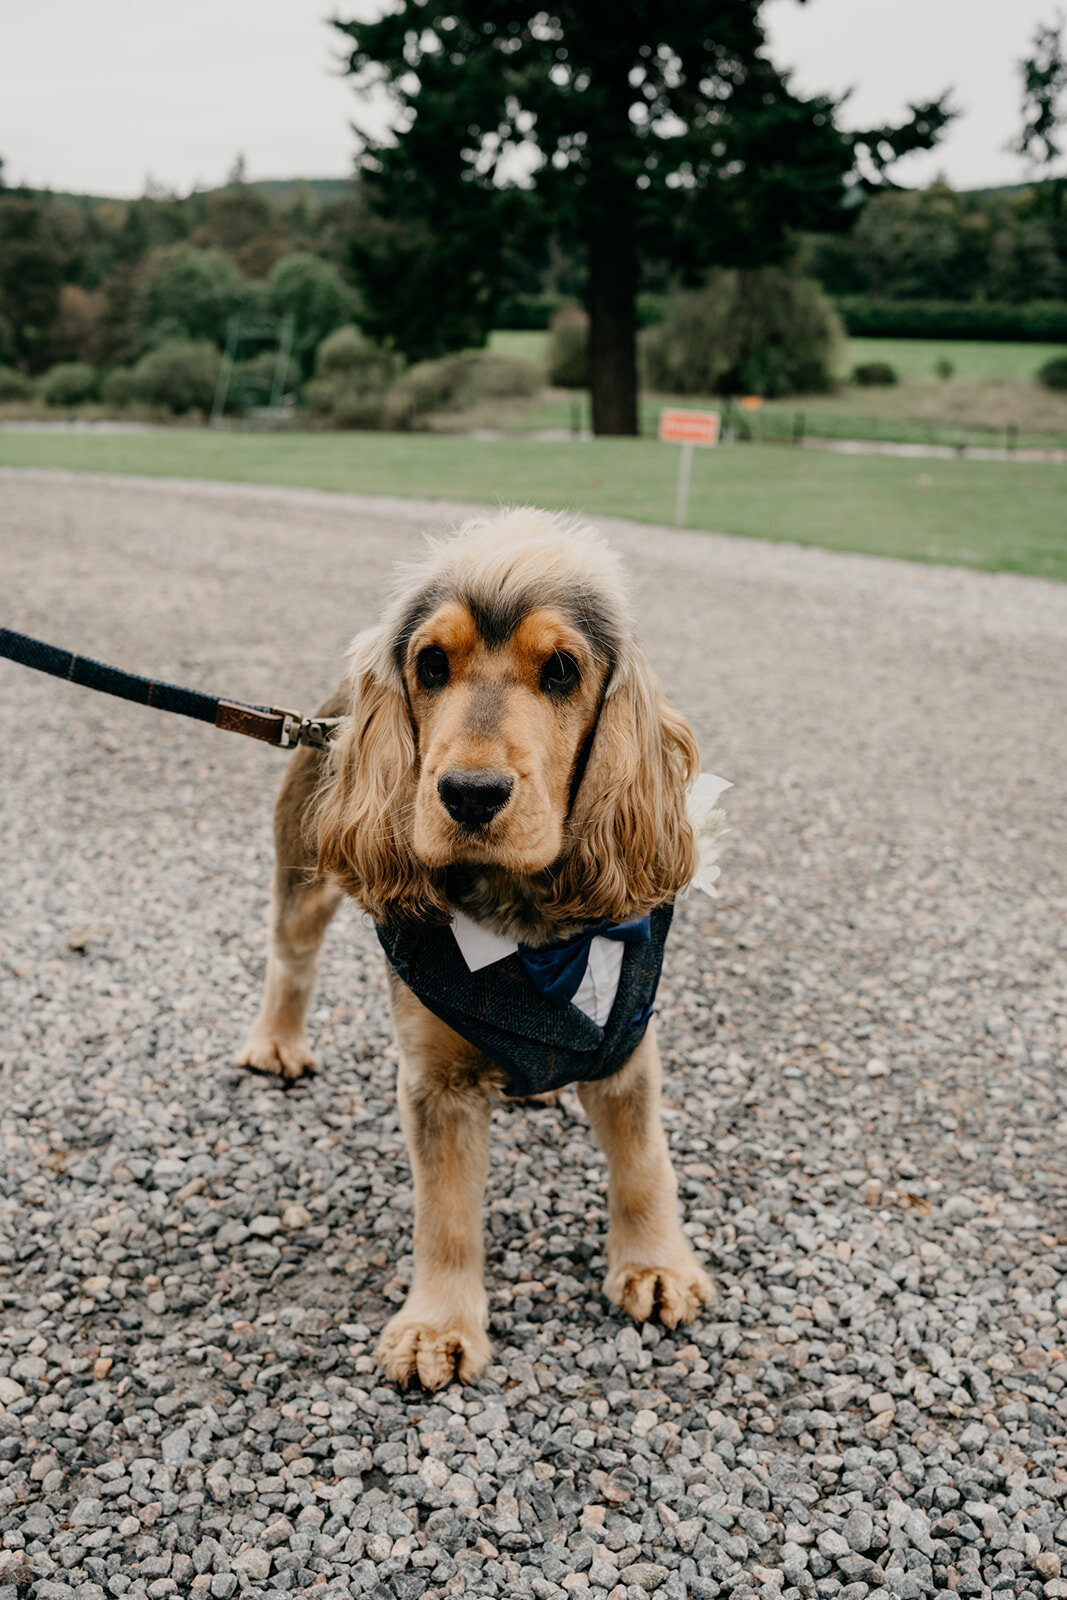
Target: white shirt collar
(479, 946)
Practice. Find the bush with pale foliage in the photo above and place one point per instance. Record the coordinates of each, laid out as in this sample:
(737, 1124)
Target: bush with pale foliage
(766, 330)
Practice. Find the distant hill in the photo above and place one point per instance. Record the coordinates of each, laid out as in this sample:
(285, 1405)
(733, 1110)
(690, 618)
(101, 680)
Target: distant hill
(279, 191)
(322, 191)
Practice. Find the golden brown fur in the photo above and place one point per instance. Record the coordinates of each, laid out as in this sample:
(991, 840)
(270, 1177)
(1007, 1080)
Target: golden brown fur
(505, 749)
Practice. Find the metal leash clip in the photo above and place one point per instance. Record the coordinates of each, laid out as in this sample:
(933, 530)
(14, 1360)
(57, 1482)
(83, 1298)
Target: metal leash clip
(315, 732)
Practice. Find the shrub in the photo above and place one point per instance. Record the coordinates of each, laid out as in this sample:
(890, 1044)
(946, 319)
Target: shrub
(430, 386)
(691, 350)
(767, 331)
(338, 401)
(353, 375)
(310, 291)
(14, 385)
(873, 374)
(190, 294)
(75, 334)
(944, 369)
(1054, 373)
(351, 409)
(119, 388)
(867, 317)
(457, 382)
(491, 377)
(568, 349)
(180, 374)
(350, 354)
(69, 384)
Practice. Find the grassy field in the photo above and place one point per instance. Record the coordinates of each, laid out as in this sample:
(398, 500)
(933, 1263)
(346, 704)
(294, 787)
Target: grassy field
(991, 399)
(527, 344)
(998, 517)
(975, 361)
(910, 413)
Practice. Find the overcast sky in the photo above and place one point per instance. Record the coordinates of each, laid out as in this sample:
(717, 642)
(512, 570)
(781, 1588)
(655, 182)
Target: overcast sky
(98, 97)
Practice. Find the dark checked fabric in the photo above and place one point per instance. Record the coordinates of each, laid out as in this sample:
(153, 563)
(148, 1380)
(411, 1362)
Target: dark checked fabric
(538, 1043)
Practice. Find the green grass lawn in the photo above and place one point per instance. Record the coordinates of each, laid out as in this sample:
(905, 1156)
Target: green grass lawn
(973, 360)
(526, 344)
(896, 416)
(999, 517)
(980, 361)
(991, 399)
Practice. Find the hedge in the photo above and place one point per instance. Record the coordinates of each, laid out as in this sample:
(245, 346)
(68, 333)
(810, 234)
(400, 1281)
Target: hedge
(1043, 321)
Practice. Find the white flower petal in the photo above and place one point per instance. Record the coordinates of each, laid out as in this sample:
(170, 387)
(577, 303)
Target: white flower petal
(709, 824)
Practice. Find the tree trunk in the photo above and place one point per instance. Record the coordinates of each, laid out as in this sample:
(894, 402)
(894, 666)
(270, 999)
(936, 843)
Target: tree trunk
(613, 325)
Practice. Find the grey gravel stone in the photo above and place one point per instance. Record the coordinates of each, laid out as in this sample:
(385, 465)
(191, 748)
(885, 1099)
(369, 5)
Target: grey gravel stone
(196, 1265)
(175, 1447)
(858, 1530)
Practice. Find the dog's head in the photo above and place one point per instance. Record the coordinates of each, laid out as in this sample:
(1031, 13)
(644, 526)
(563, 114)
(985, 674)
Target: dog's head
(503, 716)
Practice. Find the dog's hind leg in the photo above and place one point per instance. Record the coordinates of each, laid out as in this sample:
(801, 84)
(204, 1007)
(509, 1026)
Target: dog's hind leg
(651, 1267)
(300, 911)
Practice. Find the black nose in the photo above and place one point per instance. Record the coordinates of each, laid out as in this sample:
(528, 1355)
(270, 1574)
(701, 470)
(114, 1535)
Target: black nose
(473, 798)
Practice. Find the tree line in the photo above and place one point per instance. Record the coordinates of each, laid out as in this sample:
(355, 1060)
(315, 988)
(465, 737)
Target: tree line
(537, 157)
(103, 281)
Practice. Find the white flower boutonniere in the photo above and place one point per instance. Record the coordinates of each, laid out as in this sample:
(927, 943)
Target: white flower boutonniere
(709, 825)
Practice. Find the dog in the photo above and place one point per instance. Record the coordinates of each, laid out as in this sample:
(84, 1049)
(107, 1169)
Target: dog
(506, 765)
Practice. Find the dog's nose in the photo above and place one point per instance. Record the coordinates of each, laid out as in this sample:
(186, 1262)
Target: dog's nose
(473, 798)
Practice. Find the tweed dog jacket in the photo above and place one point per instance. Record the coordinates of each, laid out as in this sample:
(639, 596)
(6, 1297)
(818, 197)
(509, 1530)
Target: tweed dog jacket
(538, 1043)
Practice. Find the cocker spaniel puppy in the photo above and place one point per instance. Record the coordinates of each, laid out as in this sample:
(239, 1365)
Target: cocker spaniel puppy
(506, 796)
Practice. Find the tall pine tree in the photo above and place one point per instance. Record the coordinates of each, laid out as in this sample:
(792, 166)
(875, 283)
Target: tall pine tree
(631, 132)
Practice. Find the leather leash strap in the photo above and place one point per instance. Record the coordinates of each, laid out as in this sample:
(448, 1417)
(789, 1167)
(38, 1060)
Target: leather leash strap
(272, 724)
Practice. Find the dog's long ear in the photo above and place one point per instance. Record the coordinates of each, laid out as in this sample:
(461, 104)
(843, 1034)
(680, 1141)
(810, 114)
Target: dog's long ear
(366, 805)
(631, 843)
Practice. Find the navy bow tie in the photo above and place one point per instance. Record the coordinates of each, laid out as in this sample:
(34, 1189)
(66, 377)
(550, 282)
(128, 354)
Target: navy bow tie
(557, 970)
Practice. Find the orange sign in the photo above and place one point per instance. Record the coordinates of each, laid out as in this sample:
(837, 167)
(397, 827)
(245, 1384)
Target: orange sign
(751, 402)
(689, 427)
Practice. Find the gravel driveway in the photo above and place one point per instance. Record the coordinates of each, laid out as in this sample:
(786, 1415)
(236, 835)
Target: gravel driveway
(867, 1103)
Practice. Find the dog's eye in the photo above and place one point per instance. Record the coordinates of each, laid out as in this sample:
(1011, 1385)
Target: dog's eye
(560, 674)
(432, 667)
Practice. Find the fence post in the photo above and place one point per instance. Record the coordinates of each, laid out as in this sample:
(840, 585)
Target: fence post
(681, 503)
(225, 369)
(281, 366)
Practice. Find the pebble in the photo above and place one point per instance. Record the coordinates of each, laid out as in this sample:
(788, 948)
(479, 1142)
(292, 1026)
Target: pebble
(645, 1575)
(858, 1530)
(253, 1563)
(196, 1264)
(175, 1447)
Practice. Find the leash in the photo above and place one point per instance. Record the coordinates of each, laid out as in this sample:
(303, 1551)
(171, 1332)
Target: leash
(272, 724)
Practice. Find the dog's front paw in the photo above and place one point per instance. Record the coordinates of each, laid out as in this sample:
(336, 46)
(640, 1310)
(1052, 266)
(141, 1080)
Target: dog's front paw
(674, 1293)
(284, 1055)
(432, 1349)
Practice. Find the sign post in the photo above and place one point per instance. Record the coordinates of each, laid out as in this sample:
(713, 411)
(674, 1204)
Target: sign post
(687, 428)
